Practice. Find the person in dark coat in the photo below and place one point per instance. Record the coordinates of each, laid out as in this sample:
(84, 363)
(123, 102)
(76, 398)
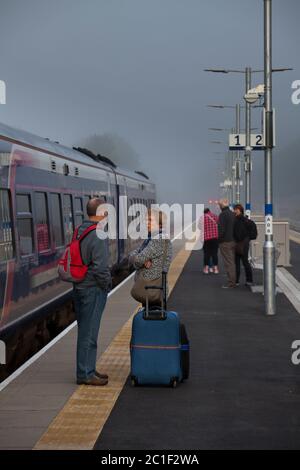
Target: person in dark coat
(227, 242)
(242, 238)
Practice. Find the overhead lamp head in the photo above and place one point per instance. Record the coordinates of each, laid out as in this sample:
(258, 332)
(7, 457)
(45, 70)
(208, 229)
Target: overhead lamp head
(254, 94)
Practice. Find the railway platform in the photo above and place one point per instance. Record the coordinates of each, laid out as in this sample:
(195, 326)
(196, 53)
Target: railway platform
(243, 391)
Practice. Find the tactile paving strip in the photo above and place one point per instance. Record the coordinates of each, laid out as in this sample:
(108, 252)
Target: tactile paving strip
(79, 423)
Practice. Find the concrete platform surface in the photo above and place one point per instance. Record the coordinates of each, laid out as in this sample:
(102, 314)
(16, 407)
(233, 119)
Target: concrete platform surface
(244, 391)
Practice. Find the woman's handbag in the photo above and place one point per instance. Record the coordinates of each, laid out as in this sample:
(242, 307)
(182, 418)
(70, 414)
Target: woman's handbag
(138, 291)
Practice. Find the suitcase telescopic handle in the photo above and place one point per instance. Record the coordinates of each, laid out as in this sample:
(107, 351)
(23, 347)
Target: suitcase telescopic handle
(163, 289)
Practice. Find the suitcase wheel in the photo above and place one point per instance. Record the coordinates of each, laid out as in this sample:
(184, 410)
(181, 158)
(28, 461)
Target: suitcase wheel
(174, 382)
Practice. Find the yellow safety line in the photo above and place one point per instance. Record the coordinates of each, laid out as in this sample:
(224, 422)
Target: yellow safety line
(80, 422)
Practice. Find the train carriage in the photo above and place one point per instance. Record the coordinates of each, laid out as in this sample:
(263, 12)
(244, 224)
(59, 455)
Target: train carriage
(44, 189)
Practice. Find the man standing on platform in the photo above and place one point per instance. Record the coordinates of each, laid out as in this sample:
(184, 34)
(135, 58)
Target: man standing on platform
(227, 242)
(90, 295)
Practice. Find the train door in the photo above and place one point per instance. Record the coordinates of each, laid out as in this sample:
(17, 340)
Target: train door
(122, 217)
(111, 199)
(68, 217)
(7, 255)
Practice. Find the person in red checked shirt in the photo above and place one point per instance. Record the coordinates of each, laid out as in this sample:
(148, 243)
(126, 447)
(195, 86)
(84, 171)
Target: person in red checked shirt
(211, 245)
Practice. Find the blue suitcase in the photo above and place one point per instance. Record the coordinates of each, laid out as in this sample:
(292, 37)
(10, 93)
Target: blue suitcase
(155, 347)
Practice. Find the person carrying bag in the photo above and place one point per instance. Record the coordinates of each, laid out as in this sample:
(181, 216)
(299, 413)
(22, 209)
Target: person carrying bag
(138, 291)
(151, 259)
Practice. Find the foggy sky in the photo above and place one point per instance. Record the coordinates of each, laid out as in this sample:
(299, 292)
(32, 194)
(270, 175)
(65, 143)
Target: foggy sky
(134, 68)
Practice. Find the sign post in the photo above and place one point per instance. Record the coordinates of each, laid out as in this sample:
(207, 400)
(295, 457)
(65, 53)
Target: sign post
(269, 247)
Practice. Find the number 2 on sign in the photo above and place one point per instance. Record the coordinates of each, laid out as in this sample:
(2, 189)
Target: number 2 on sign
(259, 139)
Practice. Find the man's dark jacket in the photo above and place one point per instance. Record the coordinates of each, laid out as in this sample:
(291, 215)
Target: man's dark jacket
(226, 225)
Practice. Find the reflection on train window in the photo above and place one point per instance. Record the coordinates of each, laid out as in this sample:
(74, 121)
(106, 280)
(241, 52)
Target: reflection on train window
(23, 203)
(78, 220)
(24, 221)
(42, 222)
(85, 201)
(78, 211)
(25, 236)
(130, 203)
(68, 217)
(78, 204)
(6, 239)
(57, 220)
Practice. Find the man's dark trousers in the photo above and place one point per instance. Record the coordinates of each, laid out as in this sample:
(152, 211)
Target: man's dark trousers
(89, 304)
(242, 254)
(228, 252)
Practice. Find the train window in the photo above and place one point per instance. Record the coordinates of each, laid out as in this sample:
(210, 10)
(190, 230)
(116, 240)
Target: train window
(6, 238)
(23, 203)
(42, 222)
(56, 213)
(25, 226)
(131, 203)
(25, 236)
(78, 204)
(68, 217)
(85, 201)
(78, 220)
(78, 211)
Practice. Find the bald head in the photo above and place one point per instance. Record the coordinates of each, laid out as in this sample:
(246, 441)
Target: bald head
(92, 206)
(223, 203)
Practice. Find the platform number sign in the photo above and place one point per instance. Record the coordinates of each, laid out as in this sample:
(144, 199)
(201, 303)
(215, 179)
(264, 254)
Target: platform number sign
(2, 353)
(238, 141)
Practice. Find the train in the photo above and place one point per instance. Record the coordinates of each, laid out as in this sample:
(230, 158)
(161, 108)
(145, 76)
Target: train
(44, 189)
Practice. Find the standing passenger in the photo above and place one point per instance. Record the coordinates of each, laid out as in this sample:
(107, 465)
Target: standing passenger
(90, 297)
(210, 246)
(226, 241)
(242, 238)
(151, 259)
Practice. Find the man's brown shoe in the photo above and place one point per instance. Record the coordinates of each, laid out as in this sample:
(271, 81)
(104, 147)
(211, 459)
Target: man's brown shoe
(101, 376)
(96, 381)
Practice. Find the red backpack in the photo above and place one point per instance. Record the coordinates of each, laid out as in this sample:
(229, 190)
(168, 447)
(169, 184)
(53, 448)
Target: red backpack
(70, 266)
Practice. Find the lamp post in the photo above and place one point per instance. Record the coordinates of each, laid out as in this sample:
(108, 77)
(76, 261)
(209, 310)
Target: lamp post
(236, 177)
(229, 164)
(226, 171)
(248, 163)
(269, 247)
(237, 159)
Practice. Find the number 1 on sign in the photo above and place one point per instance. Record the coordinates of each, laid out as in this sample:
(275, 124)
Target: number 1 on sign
(237, 139)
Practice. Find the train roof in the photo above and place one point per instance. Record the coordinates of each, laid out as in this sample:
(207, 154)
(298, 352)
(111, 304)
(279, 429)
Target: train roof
(49, 146)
